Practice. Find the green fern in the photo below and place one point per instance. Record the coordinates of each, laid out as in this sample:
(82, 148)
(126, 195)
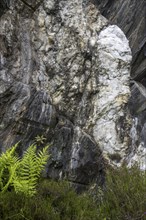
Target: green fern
(30, 169)
(8, 166)
(22, 174)
(41, 160)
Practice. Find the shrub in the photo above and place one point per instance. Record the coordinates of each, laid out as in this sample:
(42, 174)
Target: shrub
(66, 202)
(125, 195)
(19, 207)
(53, 201)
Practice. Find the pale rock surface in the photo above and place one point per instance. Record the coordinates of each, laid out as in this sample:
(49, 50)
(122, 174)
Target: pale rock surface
(114, 59)
(129, 15)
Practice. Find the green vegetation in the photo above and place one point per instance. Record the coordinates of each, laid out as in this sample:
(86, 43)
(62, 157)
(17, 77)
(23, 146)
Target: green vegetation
(22, 174)
(53, 201)
(26, 196)
(125, 195)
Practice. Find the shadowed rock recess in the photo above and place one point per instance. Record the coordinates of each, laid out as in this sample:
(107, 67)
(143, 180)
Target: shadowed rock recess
(65, 74)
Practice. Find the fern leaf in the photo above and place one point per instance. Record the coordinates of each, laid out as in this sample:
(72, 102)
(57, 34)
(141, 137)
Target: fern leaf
(27, 178)
(8, 165)
(11, 176)
(23, 173)
(25, 187)
(41, 160)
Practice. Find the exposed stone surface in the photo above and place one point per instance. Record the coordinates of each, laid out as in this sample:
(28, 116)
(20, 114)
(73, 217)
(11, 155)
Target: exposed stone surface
(114, 56)
(137, 106)
(4, 5)
(65, 75)
(130, 16)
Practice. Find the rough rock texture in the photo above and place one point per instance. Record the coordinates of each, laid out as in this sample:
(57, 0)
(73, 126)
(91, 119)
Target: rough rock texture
(4, 5)
(65, 75)
(130, 16)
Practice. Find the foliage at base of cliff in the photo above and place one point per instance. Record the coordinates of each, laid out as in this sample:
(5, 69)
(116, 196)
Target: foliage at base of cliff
(54, 201)
(123, 198)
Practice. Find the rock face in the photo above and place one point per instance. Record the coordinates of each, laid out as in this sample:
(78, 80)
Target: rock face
(130, 16)
(65, 75)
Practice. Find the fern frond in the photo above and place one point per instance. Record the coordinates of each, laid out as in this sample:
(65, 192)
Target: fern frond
(11, 176)
(8, 155)
(25, 187)
(30, 169)
(23, 173)
(27, 180)
(41, 160)
(8, 165)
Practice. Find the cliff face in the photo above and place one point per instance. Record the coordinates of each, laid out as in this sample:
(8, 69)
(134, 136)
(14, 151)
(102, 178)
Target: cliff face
(65, 73)
(130, 16)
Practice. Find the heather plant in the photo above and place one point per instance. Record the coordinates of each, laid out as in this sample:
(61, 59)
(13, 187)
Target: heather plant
(54, 200)
(124, 196)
